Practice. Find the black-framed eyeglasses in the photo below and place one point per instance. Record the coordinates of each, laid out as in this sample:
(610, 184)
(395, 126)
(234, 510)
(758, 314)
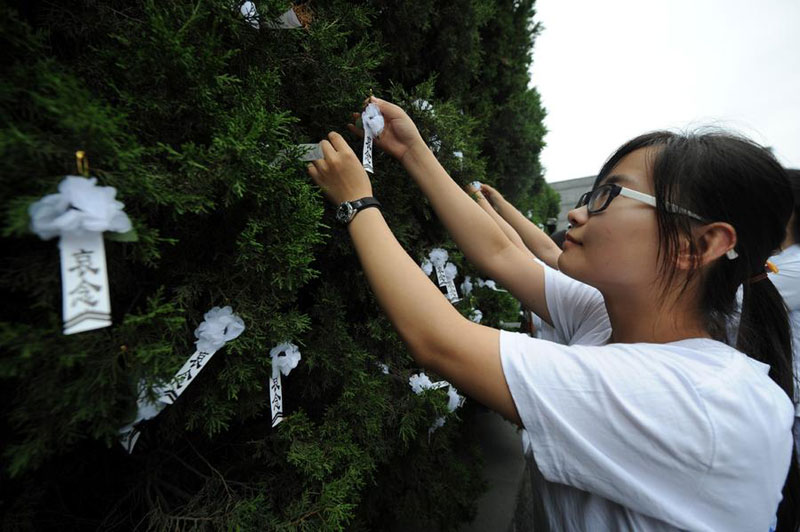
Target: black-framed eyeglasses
(598, 200)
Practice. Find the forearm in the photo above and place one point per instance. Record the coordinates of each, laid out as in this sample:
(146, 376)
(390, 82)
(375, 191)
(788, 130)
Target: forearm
(417, 309)
(472, 229)
(536, 240)
(504, 226)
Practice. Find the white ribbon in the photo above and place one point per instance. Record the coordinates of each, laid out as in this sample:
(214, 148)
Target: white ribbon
(285, 358)
(219, 326)
(287, 21)
(373, 123)
(78, 214)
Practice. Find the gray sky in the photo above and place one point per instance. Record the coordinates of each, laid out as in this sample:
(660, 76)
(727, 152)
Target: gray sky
(610, 70)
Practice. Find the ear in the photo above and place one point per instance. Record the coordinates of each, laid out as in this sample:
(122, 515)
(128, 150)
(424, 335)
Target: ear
(713, 241)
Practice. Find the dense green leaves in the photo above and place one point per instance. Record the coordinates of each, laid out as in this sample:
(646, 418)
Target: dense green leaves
(194, 116)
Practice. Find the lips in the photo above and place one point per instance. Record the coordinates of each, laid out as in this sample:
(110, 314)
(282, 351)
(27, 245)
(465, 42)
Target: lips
(571, 240)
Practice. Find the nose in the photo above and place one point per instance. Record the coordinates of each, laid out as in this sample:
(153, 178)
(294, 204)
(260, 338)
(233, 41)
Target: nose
(578, 216)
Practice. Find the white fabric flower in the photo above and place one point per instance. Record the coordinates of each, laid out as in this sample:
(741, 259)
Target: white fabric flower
(427, 267)
(372, 120)
(438, 422)
(453, 399)
(420, 382)
(476, 185)
(450, 271)
(466, 285)
(220, 325)
(476, 316)
(438, 256)
(436, 144)
(285, 357)
(250, 14)
(79, 207)
(423, 105)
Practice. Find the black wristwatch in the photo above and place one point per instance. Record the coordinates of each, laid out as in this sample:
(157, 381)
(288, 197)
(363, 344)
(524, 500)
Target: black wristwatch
(348, 209)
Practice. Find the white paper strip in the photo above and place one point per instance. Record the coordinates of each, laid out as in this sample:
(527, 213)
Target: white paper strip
(128, 438)
(311, 152)
(366, 154)
(276, 396)
(184, 376)
(287, 21)
(84, 282)
(446, 282)
(441, 275)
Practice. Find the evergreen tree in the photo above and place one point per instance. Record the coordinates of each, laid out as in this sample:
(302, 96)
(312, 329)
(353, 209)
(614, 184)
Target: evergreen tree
(194, 116)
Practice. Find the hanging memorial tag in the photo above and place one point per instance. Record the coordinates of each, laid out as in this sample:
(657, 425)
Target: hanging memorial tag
(311, 152)
(79, 214)
(366, 154)
(219, 326)
(190, 369)
(441, 276)
(84, 283)
(285, 358)
(276, 396)
(373, 123)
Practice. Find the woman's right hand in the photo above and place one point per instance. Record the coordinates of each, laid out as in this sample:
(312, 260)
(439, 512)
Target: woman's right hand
(491, 194)
(399, 132)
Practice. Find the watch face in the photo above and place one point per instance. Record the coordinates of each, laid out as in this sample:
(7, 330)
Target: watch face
(345, 212)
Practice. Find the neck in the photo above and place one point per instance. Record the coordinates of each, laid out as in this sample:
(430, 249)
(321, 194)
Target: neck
(791, 237)
(642, 318)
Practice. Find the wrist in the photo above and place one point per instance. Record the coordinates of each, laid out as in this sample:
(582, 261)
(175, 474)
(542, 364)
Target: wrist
(415, 154)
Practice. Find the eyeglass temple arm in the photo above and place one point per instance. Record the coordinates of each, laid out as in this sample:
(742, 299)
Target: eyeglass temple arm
(650, 200)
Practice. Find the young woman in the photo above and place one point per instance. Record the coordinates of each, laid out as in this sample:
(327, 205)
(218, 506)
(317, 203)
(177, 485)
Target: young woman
(651, 423)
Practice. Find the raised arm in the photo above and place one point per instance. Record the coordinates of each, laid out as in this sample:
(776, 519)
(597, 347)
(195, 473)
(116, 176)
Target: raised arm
(477, 236)
(439, 338)
(536, 240)
(504, 226)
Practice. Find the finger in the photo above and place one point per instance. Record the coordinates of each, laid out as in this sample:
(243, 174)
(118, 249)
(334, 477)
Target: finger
(327, 149)
(355, 130)
(338, 142)
(313, 172)
(320, 165)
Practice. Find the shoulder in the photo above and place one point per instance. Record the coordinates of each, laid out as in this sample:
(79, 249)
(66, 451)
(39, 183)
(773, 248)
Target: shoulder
(577, 310)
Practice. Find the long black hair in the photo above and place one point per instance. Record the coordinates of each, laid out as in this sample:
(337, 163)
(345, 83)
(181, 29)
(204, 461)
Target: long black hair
(727, 178)
(794, 179)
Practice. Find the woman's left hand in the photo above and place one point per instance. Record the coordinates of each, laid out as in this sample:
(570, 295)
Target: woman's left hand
(340, 174)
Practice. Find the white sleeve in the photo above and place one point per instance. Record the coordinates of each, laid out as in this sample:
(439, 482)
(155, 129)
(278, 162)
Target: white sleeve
(787, 280)
(577, 310)
(607, 421)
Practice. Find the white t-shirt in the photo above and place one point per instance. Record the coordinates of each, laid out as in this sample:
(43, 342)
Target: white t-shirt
(787, 281)
(687, 435)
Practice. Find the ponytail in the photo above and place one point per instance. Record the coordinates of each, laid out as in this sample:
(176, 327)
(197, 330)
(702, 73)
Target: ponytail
(764, 334)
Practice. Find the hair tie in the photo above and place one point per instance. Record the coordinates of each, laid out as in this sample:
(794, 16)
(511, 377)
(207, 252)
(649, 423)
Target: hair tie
(769, 267)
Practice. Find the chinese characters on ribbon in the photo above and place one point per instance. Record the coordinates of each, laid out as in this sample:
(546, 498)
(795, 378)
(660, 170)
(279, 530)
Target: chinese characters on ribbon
(86, 302)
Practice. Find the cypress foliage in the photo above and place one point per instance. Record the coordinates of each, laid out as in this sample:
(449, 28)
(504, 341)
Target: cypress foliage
(194, 116)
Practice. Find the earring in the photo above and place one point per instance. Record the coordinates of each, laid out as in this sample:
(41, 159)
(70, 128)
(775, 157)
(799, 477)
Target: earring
(731, 254)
